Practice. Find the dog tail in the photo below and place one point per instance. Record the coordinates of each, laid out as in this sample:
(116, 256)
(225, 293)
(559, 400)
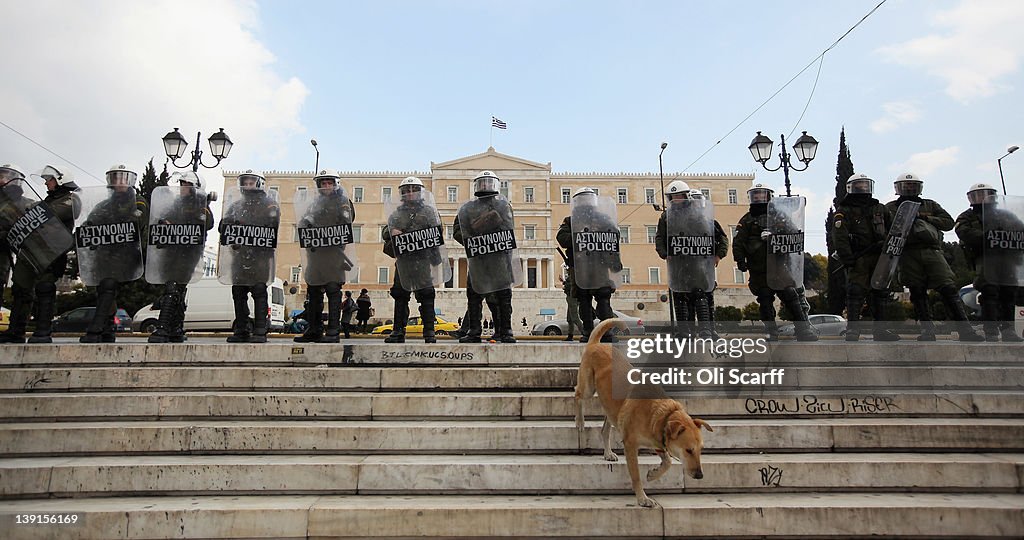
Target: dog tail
(603, 329)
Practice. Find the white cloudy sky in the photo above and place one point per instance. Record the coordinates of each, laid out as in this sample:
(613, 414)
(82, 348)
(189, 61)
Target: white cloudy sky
(929, 86)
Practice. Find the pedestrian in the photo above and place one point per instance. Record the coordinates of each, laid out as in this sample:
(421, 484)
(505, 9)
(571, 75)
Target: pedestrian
(348, 307)
(363, 310)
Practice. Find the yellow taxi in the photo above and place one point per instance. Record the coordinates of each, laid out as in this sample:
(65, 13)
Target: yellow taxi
(415, 326)
(5, 318)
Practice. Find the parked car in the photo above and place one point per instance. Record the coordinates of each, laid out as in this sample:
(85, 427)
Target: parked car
(210, 307)
(824, 325)
(415, 326)
(560, 327)
(78, 319)
(5, 318)
(970, 297)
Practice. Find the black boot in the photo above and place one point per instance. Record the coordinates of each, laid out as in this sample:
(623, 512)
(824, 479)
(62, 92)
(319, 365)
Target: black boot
(703, 314)
(313, 309)
(919, 299)
(260, 317)
(854, 305)
(1006, 315)
(766, 308)
(21, 306)
(957, 312)
(176, 334)
(586, 307)
(101, 329)
(802, 327)
(401, 320)
(332, 334)
(989, 300)
(168, 313)
(711, 315)
(504, 332)
(241, 330)
(879, 331)
(46, 297)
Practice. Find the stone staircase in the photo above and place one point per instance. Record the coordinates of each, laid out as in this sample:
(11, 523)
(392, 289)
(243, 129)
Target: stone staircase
(381, 441)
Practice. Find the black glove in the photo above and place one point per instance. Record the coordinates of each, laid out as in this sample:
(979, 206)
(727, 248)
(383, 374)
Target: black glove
(741, 266)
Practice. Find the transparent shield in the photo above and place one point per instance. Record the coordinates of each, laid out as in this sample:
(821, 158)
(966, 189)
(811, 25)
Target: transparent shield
(417, 235)
(595, 242)
(488, 233)
(786, 244)
(30, 229)
(108, 235)
(323, 222)
(177, 235)
(895, 241)
(690, 240)
(1003, 223)
(248, 237)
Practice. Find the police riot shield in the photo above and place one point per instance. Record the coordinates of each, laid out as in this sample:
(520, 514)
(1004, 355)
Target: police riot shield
(595, 242)
(1003, 224)
(895, 241)
(248, 237)
(108, 235)
(417, 237)
(690, 239)
(488, 234)
(31, 231)
(177, 235)
(324, 225)
(785, 257)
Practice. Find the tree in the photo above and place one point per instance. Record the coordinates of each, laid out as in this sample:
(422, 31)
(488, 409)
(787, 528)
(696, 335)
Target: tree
(752, 312)
(728, 313)
(837, 278)
(815, 277)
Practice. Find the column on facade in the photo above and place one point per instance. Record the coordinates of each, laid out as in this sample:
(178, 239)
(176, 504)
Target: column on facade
(526, 274)
(455, 272)
(551, 273)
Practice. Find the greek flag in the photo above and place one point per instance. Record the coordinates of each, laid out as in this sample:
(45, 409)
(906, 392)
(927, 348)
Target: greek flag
(498, 123)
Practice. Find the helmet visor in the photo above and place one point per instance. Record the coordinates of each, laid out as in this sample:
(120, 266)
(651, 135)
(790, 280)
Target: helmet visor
(410, 192)
(678, 196)
(250, 182)
(909, 188)
(326, 183)
(486, 184)
(982, 196)
(759, 196)
(862, 186)
(10, 176)
(121, 178)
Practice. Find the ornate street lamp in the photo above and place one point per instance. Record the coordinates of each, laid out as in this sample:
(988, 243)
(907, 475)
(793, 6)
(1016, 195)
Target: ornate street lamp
(1009, 151)
(805, 148)
(175, 144)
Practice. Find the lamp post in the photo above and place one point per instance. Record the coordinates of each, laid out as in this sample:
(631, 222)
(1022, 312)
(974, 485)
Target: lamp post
(1009, 151)
(661, 173)
(316, 168)
(805, 148)
(175, 144)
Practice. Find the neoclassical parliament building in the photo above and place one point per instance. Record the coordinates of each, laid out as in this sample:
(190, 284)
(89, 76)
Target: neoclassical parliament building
(540, 199)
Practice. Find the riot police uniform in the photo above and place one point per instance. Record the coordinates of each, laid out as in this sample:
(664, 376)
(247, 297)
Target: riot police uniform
(922, 265)
(692, 305)
(861, 224)
(326, 268)
(118, 262)
(606, 264)
(250, 267)
(179, 262)
(997, 301)
(28, 281)
(416, 270)
(750, 251)
(12, 201)
(495, 273)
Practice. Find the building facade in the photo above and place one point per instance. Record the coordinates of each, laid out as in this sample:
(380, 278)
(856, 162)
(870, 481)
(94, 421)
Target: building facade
(540, 199)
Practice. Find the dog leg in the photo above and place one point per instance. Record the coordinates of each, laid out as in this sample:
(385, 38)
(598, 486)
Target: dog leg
(606, 437)
(666, 462)
(633, 463)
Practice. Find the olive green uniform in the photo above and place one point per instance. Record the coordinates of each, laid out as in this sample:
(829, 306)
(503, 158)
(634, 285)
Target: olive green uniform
(997, 301)
(750, 252)
(860, 227)
(923, 266)
(686, 307)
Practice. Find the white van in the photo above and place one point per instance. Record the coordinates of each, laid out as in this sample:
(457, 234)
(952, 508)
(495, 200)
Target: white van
(210, 308)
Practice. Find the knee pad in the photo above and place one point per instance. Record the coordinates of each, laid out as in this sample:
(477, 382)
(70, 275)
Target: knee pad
(789, 294)
(425, 295)
(855, 290)
(604, 293)
(107, 285)
(332, 288)
(44, 288)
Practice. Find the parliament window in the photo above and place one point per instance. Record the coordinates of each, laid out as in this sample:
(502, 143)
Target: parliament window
(357, 194)
(528, 194)
(357, 234)
(529, 232)
(624, 234)
(626, 279)
(652, 231)
(734, 197)
(654, 274)
(383, 275)
(623, 195)
(453, 194)
(649, 195)
(706, 192)
(566, 195)
(296, 274)
(385, 194)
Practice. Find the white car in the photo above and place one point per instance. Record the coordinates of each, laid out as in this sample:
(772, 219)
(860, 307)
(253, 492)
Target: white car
(560, 327)
(824, 325)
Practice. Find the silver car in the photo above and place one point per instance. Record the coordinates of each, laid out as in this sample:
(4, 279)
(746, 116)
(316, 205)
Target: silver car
(824, 325)
(560, 327)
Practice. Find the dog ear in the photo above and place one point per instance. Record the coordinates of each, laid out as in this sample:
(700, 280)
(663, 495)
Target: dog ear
(702, 424)
(674, 428)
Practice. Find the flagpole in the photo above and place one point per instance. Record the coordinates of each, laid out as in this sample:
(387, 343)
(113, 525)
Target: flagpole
(491, 144)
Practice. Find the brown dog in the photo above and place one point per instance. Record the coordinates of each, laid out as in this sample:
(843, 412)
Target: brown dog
(660, 424)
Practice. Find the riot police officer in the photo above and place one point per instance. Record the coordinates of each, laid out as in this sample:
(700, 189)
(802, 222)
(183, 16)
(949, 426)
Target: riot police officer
(590, 237)
(691, 304)
(12, 202)
(248, 240)
(113, 258)
(750, 251)
(28, 281)
(413, 237)
(485, 225)
(182, 210)
(997, 299)
(329, 257)
(861, 224)
(922, 265)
